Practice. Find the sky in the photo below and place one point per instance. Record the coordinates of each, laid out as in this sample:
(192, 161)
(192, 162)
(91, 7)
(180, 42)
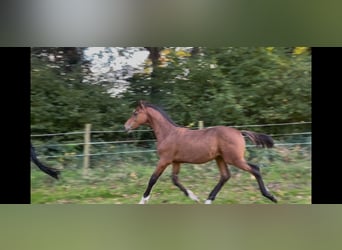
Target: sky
(107, 67)
(135, 61)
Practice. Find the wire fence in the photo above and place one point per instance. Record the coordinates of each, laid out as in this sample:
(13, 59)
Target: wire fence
(123, 148)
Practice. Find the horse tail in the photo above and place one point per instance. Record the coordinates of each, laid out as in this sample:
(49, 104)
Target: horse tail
(50, 171)
(262, 140)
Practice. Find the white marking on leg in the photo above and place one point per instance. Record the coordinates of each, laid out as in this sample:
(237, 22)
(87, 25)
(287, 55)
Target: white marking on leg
(208, 202)
(144, 200)
(192, 196)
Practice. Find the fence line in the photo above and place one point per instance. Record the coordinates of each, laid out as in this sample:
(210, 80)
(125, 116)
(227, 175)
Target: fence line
(68, 133)
(118, 131)
(150, 130)
(134, 141)
(271, 124)
(97, 154)
(94, 143)
(302, 133)
(87, 142)
(92, 132)
(153, 150)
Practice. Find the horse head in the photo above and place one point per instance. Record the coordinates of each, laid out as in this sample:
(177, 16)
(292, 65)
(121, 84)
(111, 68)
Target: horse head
(139, 117)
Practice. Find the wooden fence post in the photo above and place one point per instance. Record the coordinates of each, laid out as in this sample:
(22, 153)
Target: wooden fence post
(200, 125)
(86, 149)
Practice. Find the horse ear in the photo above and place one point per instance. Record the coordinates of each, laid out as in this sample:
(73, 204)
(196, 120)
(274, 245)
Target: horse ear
(142, 104)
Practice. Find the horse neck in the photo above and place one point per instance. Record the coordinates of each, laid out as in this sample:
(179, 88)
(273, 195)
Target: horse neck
(160, 125)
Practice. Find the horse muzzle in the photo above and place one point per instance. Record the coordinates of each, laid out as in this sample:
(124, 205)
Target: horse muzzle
(128, 128)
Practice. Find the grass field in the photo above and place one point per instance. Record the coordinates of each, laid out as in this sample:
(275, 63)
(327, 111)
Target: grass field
(288, 178)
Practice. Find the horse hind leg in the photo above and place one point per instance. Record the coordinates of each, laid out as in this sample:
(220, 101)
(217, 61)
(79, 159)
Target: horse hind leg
(175, 181)
(255, 170)
(224, 177)
(263, 189)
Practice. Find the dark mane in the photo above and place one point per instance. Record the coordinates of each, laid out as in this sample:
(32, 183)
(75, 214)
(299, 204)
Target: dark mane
(162, 112)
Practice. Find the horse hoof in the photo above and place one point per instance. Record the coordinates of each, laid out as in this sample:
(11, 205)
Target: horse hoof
(274, 199)
(192, 196)
(144, 200)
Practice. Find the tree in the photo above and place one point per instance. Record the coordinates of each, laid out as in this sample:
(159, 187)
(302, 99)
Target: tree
(229, 86)
(62, 102)
(220, 86)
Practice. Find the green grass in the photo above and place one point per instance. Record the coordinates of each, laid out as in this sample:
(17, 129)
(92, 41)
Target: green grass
(124, 183)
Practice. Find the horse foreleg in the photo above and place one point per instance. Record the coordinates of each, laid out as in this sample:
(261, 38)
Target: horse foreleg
(175, 180)
(224, 177)
(153, 179)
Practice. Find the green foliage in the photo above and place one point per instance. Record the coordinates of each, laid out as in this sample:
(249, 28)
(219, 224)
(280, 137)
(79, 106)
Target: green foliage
(220, 86)
(60, 102)
(231, 86)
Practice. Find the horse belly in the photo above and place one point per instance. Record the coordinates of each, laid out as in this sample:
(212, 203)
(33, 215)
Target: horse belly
(196, 154)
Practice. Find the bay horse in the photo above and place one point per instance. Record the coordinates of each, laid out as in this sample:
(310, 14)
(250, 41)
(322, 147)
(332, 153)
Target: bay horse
(50, 171)
(176, 145)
